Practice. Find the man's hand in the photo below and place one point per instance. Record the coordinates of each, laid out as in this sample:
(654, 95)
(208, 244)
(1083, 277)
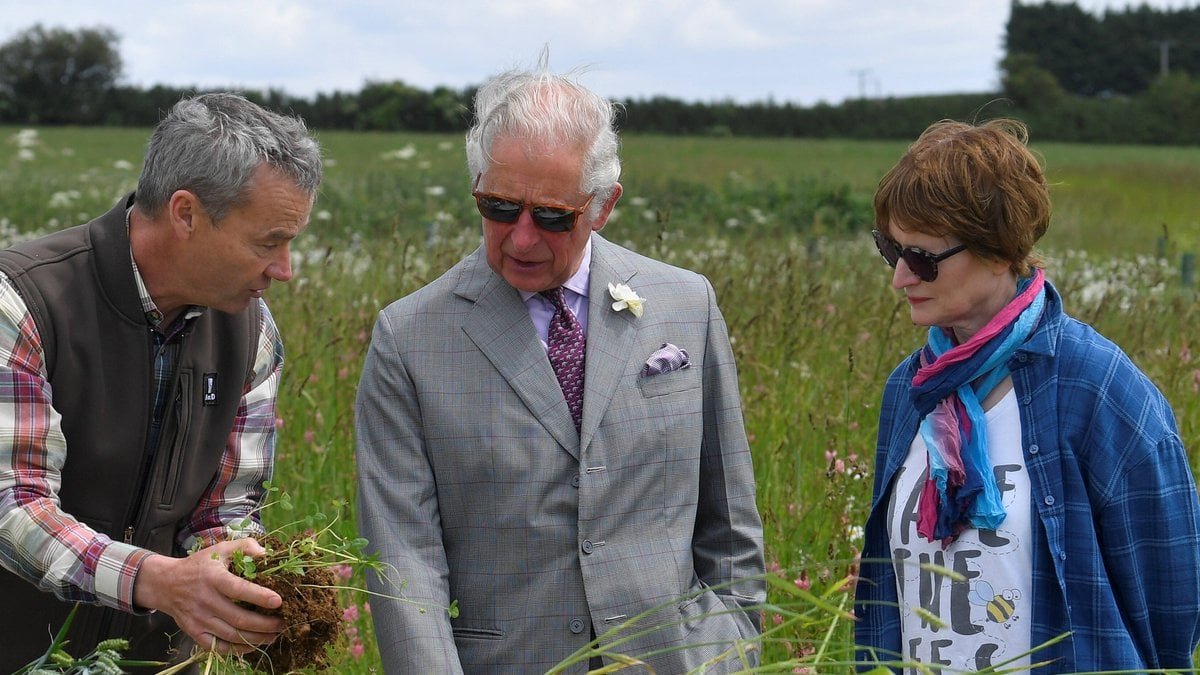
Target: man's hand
(199, 592)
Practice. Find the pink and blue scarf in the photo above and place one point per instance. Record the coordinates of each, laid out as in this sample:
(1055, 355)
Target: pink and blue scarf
(960, 491)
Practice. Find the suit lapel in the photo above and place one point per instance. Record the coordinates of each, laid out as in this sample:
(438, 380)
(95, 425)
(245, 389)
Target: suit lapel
(499, 326)
(610, 335)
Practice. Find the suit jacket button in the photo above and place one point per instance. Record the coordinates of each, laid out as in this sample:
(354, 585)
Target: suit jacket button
(576, 626)
(587, 546)
(575, 480)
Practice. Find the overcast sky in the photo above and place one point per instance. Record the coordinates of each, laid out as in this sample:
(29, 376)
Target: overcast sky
(802, 51)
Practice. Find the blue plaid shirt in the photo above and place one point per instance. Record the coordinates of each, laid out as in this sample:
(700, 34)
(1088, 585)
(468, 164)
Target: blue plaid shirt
(1116, 522)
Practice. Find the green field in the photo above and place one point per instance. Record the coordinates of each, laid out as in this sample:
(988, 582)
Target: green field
(769, 218)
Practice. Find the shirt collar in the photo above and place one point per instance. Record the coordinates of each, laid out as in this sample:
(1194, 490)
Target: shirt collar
(153, 315)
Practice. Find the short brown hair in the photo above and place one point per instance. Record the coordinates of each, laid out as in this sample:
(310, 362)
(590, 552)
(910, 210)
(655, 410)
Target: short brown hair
(979, 183)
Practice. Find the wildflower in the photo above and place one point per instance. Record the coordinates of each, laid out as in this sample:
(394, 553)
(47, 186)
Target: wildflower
(123, 165)
(435, 190)
(803, 582)
(343, 572)
(357, 649)
(407, 152)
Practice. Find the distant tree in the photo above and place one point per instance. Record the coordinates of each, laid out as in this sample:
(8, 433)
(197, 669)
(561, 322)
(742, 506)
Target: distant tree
(57, 76)
(1027, 84)
(1064, 39)
(392, 106)
(1175, 101)
(1121, 52)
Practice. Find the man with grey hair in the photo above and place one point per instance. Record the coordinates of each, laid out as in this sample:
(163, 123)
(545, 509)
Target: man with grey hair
(139, 368)
(550, 437)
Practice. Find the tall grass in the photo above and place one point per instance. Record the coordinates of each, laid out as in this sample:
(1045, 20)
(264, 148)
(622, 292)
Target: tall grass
(779, 226)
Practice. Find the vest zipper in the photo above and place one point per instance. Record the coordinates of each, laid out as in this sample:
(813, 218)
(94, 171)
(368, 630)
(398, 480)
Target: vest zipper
(142, 501)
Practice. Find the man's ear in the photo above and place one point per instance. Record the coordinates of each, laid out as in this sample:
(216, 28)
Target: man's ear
(602, 218)
(184, 212)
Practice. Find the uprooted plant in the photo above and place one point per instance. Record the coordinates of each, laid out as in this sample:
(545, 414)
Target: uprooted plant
(300, 569)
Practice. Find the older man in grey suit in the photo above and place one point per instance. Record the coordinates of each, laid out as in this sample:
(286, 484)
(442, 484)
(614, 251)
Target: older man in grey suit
(551, 491)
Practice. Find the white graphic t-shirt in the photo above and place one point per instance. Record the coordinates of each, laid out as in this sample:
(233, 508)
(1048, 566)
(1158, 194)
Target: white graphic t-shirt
(985, 617)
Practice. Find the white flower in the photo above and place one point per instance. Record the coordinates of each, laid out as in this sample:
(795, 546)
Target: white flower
(626, 299)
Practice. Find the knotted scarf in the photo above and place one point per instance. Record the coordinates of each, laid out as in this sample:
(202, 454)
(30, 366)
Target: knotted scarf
(960, 490)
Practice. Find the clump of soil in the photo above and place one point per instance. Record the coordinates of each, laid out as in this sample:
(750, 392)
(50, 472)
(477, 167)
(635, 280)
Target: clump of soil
(310, 610)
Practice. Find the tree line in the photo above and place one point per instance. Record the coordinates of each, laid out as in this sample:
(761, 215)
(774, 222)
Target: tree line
(1119, 77)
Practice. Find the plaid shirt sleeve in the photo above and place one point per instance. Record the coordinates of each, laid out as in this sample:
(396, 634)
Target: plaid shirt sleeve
(230, 506)
(38, 541)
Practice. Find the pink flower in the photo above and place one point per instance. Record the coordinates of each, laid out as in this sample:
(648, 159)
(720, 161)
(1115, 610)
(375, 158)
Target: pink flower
(803, 583)
(350, 614)
(357, 649)
(343, 571)
(308, 435)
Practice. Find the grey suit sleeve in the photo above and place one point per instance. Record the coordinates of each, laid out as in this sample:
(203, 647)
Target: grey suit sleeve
(727, 545)
(398, 514)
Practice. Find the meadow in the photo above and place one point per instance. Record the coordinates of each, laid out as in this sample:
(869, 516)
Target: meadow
(781, 227)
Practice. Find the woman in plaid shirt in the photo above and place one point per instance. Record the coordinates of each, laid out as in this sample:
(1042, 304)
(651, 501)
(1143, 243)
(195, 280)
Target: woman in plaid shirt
(1030, 481)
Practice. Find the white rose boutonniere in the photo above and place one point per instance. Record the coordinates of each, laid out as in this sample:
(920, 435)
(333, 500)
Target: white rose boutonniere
(626, 298)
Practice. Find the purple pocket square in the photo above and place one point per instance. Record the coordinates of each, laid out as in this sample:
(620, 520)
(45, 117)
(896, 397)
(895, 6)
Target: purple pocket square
(665, 360)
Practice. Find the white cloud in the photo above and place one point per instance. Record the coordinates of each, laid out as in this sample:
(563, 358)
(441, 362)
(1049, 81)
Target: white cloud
(718, 24)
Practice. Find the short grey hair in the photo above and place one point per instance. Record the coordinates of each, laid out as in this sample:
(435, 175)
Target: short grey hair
(212, 144)
(539, 106)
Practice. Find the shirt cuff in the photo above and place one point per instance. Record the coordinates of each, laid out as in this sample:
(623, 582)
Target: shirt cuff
(116, 572)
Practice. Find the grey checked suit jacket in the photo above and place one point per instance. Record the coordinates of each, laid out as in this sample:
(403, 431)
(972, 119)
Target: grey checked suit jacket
(475, 487)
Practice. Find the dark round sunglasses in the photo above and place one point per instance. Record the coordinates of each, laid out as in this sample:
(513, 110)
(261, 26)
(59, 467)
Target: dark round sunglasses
(549, 217)
(921, 262)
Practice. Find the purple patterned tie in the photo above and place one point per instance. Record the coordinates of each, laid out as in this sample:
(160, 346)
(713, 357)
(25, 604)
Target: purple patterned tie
(566, 351)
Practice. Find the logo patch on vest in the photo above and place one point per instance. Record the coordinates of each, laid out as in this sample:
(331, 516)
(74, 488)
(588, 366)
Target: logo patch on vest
(210, 389)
